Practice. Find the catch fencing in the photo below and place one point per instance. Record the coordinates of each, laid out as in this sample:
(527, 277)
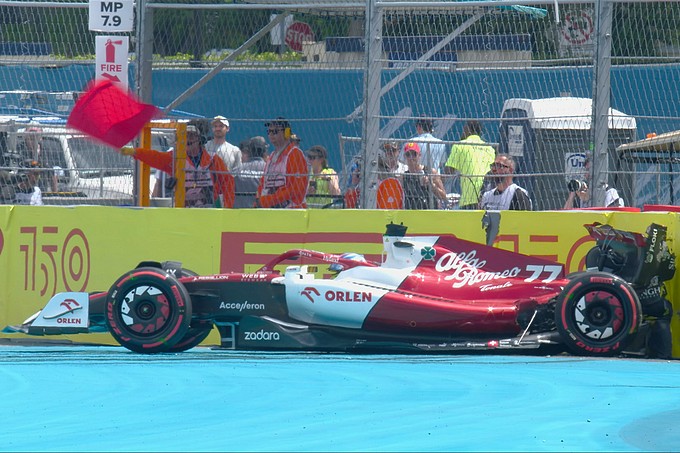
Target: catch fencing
(550, 83)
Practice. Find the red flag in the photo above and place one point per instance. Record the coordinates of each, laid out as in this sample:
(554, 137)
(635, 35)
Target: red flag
(109, 114)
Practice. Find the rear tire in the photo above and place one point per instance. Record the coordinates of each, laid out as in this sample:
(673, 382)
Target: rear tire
(148, 310)
(597, 314)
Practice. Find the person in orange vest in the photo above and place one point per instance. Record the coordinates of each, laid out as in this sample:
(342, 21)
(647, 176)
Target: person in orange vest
(286, 176)
(208, 183)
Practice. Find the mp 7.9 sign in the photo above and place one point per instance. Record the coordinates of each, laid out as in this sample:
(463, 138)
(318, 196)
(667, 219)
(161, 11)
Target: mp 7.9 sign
(108, 15)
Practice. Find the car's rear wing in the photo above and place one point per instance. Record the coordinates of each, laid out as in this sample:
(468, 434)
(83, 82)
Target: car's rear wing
(638, 258)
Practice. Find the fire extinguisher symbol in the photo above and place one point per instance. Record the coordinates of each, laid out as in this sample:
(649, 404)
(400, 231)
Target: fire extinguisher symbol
(111, 50)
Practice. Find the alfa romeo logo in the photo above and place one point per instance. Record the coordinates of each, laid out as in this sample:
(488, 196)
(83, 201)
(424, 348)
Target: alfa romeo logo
(428, 253)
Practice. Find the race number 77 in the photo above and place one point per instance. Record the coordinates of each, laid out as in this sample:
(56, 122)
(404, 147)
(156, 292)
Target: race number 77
(552, 270)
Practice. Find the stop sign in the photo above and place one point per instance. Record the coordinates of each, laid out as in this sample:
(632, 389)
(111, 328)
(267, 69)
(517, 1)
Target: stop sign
(297, 33)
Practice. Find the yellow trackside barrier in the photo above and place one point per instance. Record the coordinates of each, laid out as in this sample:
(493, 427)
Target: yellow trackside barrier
(49, 249)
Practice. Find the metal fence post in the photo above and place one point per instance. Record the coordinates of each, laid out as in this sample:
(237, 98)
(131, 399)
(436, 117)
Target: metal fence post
(144, 56)
(371, 124)
(601, 101)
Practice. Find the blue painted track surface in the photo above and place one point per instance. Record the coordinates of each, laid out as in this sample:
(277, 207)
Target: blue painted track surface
(103, 398)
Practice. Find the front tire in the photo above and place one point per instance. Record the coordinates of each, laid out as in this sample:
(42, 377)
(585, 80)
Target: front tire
(148, 310)
(193, 337)
(597, 314)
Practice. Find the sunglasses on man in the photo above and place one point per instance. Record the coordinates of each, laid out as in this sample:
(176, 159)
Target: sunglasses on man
(498, 165)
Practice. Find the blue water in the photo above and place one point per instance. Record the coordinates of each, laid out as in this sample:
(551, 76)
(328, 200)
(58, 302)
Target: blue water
(103, 398)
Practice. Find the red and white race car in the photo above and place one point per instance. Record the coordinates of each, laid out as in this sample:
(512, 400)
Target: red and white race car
(429, 294)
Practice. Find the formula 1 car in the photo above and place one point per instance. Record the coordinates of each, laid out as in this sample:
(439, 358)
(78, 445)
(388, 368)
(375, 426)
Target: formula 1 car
(429, 294)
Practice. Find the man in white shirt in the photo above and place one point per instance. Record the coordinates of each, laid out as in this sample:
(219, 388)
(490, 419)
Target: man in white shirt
(506, 194)
(388, 161)
(230, 154)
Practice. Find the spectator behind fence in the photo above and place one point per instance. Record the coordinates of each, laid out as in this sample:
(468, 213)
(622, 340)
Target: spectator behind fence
(471, 160)
(355, 165)
(286, 176)
(388, 162)
(207, 181)
(28, 191)
(506, 195)
(323, 180)
(432, 150)
(230, 154)
(352, 196)
(422, 184)
(247, 176)
(164, 183)
(579, 193)
(31, 149)
(244, 147)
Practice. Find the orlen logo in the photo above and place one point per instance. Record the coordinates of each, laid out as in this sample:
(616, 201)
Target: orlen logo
(308, 291)
(69, 321)
(348, 296)
(68, 306)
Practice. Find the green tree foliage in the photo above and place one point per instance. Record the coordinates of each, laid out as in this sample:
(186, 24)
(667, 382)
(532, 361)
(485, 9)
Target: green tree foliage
(645, 29)
(641, 30)
(196, 32)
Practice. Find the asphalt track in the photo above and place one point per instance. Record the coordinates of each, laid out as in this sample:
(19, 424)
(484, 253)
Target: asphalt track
(104, 398)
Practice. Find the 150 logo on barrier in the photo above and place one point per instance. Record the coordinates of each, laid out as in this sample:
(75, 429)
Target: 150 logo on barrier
(50, 258)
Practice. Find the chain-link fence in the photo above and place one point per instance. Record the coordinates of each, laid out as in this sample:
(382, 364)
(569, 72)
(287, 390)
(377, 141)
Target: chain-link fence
(566, 89)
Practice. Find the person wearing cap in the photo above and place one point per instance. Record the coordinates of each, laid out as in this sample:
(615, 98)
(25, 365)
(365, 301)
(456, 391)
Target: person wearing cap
(286, 177)
(433, 150)
(388, 162)
(421, 183)
(323, 180)
(28, 191)
(230, 154)
(247, 175)
(207, 182)
(471, 160)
